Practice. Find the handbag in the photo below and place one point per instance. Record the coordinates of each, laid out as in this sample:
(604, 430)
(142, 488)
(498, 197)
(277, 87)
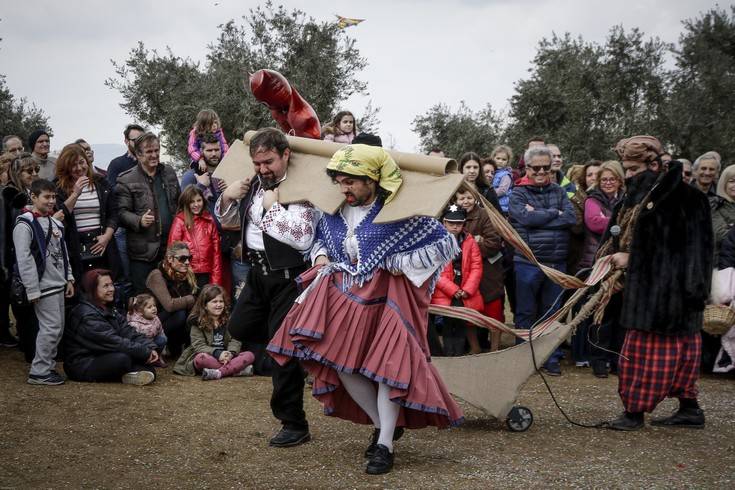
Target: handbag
(723, 286)
(87, 240)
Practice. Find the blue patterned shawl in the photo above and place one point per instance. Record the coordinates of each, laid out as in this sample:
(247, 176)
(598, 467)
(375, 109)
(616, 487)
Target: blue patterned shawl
(383, 246)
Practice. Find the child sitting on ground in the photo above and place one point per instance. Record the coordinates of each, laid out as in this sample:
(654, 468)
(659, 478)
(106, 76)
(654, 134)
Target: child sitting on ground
(342, 129)
(143, 317)
(207, 122)
(213, 352)
(459, 284)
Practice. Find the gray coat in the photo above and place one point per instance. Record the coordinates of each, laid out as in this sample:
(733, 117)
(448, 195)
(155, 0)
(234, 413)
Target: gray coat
(135, 195)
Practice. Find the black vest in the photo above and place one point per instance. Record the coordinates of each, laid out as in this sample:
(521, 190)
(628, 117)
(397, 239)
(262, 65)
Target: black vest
(280, 255)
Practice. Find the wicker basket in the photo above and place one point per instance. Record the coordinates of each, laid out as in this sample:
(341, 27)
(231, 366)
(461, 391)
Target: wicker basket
(718, 319)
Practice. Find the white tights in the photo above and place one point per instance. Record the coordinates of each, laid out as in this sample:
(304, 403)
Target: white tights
(378, 406)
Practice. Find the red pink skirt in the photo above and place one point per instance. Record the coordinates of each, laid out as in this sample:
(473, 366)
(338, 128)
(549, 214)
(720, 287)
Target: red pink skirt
(377, 330)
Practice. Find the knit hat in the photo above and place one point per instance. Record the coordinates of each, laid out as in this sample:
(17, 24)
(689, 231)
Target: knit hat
(34, 137)
(454, 214)
(639, 149)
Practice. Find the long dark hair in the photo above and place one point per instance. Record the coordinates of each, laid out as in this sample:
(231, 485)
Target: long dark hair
(208, 293)
(481, 182)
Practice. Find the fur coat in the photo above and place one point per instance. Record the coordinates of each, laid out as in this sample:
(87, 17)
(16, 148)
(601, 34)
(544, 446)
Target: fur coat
(668, 278)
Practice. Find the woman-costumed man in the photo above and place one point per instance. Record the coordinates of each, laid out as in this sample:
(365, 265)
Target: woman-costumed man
(359, 327)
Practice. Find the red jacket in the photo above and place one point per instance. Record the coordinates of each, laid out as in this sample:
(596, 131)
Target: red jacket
(203, 242)
(471, 277)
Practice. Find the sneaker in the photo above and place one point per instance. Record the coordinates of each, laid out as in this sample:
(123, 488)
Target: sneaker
(210, 374)
(138, 378)
(51, 379)
(247, 371)
(582, 364)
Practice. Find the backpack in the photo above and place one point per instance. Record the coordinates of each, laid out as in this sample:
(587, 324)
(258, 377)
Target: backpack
(38, 252)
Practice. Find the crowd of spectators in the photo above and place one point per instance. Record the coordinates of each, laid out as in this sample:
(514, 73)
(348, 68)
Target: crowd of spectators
(81, 245)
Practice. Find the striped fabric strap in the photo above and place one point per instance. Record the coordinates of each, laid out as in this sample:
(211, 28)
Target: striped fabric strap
(600, 270)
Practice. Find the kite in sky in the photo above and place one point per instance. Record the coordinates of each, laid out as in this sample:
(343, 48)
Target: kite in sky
(345, 22)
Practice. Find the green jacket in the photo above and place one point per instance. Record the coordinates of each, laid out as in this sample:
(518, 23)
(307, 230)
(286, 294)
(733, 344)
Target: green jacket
(201, 342)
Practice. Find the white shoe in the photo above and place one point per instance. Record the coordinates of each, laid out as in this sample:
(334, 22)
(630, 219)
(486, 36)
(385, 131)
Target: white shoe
(247, 371)
(138, 378)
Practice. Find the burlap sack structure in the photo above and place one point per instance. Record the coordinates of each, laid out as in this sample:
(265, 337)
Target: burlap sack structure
(428, 182)
(493, 380)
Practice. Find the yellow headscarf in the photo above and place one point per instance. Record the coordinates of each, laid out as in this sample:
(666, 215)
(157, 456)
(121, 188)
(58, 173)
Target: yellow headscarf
(369, 161)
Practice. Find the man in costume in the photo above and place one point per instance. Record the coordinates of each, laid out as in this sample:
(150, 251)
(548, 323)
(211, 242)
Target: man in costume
(661, 235)
(274, 239)
(360, 326)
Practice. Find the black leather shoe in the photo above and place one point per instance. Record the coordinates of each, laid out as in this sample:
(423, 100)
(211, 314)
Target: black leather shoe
(599, 369)
(380, 462)
(625, 422)
(290, 437)
(692, 418)
(397, 433)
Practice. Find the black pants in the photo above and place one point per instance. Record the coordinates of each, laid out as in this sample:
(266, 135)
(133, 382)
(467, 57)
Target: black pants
(105, 368)
(174, 326)
(607, 338)
(256, 317)
(26, 324)
(139, 271)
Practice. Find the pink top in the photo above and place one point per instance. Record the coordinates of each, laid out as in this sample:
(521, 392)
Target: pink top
(594, 217)
(149, 328)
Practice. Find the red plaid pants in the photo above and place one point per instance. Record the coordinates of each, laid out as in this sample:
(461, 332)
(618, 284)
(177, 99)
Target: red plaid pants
(653, 367)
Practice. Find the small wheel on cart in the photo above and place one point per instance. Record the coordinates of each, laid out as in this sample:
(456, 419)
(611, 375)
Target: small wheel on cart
(519, 419)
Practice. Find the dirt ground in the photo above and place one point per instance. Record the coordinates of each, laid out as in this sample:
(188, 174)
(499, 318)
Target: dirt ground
(185, 433)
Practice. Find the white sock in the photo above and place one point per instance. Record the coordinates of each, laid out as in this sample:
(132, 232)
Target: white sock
(362, 391)
(388, 411)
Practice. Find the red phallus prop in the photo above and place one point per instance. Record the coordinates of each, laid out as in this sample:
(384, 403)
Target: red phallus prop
(288, 108)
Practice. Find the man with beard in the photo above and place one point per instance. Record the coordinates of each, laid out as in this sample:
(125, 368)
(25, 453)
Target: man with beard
(661, 235)
(273, 238)
(211, 187)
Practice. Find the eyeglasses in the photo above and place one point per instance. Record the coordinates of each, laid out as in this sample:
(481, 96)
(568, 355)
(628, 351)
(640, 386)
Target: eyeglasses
(539, 168)
(609, 180)
(688, 174)
(183, 258)
(32, 170)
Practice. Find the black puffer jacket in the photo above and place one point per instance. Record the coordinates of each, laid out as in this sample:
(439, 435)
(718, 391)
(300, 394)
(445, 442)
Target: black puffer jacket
(92, 331)
(546, 228)
(727, 251)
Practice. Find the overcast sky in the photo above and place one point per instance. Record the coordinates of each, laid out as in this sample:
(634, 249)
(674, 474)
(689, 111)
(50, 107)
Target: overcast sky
(57, 53)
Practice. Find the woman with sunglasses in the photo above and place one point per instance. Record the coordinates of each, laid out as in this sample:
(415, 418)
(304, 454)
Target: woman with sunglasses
(174, 286)
(16, 196)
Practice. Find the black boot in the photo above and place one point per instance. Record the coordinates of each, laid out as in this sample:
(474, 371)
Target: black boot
(290, 437)
(599, 368)
(692, 418)
(628, 421)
